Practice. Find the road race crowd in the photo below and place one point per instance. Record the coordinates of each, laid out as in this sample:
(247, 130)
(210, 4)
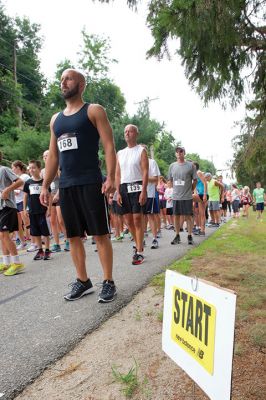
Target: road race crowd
(69, 198)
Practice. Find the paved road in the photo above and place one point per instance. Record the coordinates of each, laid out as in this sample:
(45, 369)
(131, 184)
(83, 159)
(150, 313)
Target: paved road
(37, 326)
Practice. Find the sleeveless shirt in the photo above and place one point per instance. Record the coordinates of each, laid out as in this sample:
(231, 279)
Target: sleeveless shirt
(129, 161)
(78, 146)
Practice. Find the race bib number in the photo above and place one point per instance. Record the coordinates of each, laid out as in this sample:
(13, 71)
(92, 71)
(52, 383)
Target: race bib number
(134, 187)
(67, 141)
(179, 182)
(35, 189)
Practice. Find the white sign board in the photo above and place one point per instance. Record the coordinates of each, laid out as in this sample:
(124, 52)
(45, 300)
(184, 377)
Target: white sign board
(198, 331)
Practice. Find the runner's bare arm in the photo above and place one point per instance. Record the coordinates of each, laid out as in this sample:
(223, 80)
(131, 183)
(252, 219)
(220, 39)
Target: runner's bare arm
(51, 165)
(98, 117)
(118, 182)
(25, 202)
(17, 183)
(144, 164)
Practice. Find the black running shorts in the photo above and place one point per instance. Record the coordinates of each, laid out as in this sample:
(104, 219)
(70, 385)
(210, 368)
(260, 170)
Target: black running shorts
(130, 201)
(151, 206)
(84, 209)
(38, 225)
(183, 207)
(8, 219)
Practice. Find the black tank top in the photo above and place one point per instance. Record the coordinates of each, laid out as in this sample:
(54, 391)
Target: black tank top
(78, 145)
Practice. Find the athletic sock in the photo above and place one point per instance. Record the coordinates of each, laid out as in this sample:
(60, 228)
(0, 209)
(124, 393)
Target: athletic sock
(15, 260)
(6, 260)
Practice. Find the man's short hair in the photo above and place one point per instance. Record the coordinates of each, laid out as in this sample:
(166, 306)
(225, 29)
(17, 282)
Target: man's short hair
(180, 148)
(208, 174)
(37, 163)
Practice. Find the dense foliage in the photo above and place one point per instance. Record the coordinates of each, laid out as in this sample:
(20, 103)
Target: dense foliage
(222, 45)
(28, 101)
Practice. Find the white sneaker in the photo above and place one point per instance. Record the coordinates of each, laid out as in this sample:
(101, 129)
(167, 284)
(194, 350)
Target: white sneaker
(22, 246)
(33, 247)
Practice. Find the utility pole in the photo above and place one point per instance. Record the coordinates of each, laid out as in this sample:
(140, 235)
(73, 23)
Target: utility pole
(147, 101)
(19, 109)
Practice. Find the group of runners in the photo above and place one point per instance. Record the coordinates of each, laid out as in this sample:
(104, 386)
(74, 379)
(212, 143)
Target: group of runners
(81, 201)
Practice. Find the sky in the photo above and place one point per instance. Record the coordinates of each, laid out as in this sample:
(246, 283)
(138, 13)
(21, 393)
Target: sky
(206, 131)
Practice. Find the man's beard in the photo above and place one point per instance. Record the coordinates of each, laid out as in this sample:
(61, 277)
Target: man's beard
(71, 93)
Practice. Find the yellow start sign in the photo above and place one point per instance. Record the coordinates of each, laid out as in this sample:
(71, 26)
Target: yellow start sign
(193, 326)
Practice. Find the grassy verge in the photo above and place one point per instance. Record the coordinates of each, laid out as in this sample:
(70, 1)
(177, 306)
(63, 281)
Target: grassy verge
(234, 257)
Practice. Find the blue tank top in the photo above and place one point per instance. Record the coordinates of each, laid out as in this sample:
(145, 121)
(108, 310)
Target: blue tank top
(200, 186)
(78, 146)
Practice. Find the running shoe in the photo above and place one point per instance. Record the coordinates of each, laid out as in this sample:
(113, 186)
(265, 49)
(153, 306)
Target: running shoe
(33, 247)
(22, 246)
(176, 240)
(3, 267)
(47, 255)
(137, 259)
(18, 242)
(79, 289)
(108, 292)
(117, 239)
(56, 248)
(126, 231)
(202, 233)
(14, 269)
(39, 255)
(190, 239)
(154, 244)
(67, 247)
(159, 234)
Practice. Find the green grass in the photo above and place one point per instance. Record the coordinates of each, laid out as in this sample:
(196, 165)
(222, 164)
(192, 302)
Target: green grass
(128, 380)
(258, 335)
(131, 383)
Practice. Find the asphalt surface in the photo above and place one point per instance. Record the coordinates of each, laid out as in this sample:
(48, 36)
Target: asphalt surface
(37, 326)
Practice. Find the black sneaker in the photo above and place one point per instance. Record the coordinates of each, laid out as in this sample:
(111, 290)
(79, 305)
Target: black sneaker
(47, 255)
(190, 239)
(39, 255)
(176, 240)
(137, 259)
(154, 244)
(108, 292)
(79, 289)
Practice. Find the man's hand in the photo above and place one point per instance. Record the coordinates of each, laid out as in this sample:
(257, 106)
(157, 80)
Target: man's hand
(5, 194)
(44, 197)
(119, 199)
(142, 198)
(108, 187)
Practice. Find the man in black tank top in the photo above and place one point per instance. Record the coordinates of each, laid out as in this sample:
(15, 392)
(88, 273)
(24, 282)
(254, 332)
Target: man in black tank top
(74, 145)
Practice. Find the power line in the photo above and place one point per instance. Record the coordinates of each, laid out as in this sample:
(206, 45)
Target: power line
(12, 46)
(25, 100)
(18, 73)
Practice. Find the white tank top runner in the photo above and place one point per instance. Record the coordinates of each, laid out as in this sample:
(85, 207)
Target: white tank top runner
(129, 161)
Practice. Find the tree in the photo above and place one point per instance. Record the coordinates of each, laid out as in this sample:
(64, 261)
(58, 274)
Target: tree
(204, 165)
(164, 151)
(217, 40)
(250, 156)
(94, 57)
(21, 79)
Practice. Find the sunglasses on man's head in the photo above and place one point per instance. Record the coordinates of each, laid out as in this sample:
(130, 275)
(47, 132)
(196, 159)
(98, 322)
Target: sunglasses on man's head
(179, 151)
